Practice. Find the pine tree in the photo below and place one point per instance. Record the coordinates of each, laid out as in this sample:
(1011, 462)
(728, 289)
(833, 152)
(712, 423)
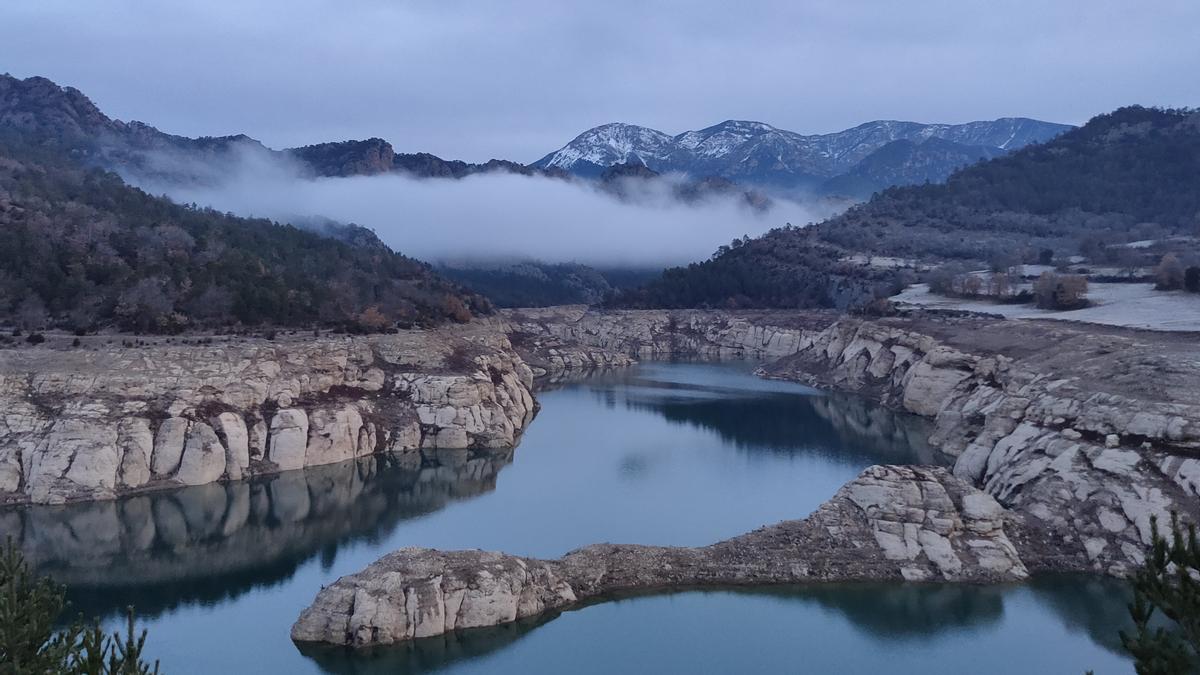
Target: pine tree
(1167, 585)
(30, 642)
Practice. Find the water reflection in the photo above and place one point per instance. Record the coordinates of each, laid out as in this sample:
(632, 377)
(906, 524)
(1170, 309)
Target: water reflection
(427, 655)
(888, 615)
(211, 542)
(774, 416)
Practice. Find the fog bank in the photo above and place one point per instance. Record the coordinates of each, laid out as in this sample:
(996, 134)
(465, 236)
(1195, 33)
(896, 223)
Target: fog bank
(499, 215)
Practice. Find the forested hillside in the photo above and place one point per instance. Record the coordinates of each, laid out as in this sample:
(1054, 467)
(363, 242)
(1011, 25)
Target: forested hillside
(79, 249)
(1125, 176)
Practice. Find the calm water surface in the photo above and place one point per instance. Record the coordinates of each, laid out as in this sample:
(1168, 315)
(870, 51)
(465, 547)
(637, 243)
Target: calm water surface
(681, 454)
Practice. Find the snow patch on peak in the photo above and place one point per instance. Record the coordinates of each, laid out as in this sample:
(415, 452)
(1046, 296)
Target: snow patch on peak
(612, 143)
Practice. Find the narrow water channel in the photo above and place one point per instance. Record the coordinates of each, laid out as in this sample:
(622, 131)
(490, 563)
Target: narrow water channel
(682, 454)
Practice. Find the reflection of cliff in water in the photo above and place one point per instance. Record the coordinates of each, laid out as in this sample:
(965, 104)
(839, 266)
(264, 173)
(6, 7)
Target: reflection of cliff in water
(888, 612)
(1098, 606)
(426, 655)
(210, 542)
(841, 426)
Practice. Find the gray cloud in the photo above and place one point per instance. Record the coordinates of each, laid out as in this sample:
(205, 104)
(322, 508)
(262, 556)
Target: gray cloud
(517, 79)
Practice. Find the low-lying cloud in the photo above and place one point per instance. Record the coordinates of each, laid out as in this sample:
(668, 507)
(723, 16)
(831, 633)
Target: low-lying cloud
(498, 216)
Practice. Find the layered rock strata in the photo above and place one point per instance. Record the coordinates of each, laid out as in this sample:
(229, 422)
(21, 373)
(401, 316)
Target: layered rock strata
(890, 523)
(103, 420)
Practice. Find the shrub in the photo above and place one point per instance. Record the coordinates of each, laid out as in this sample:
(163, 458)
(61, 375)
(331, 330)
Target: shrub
(1169, 274)
(371, 320)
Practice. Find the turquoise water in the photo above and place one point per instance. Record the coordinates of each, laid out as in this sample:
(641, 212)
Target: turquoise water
(681, 454)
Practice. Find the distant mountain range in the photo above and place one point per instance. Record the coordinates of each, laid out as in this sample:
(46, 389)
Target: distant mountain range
(854, 162)
(1129, 175)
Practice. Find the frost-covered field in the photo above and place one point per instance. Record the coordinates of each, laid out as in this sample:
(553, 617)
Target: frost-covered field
(1133, 305)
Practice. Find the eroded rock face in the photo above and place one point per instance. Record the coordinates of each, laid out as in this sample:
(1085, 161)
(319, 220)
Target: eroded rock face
(1071, 429)
(288, 439)
(203, 458)
(558, 341)
(890, 523)
(231, 428)
(103, 420)
(420, 592)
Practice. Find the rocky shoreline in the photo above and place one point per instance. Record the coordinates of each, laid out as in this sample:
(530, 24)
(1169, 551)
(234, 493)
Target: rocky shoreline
(101, 422)
(1080, 435)
(1068, 440)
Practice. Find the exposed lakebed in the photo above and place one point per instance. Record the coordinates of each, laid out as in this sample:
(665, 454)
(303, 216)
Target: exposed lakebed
(679, 454)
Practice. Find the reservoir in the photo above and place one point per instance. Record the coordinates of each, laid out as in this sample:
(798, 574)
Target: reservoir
(662, 453)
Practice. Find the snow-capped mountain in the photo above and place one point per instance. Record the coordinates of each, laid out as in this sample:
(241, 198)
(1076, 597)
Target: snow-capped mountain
(754, 152)
(596, 149)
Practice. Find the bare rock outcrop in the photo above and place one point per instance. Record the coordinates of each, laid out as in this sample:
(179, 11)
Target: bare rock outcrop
(563, 340)
(1089, 432)
(104, 419)
(890, 523)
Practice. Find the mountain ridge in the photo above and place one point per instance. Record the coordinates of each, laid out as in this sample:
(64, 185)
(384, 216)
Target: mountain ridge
(759, 153)
(41, 109)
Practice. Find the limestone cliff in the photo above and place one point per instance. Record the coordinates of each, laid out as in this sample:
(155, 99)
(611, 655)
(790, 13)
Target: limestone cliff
(105, 419)
(889, 523)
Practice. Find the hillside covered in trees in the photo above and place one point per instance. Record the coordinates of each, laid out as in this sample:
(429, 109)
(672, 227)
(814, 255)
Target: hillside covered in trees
(81, 250)
(1125, 176)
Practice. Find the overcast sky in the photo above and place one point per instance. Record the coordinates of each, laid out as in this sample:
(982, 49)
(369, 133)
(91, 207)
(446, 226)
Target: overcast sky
(518, 79)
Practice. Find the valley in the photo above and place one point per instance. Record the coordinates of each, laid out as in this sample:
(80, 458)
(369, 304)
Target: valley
(402, 338)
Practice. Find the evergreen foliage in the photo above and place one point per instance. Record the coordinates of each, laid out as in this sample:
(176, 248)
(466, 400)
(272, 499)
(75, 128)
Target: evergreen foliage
(80, 249)
(1167, 586)
(31, 641)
